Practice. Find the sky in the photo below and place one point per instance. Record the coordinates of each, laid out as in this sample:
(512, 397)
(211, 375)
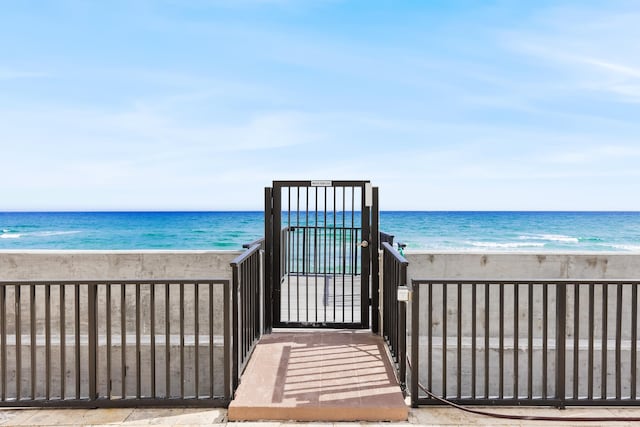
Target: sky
(199, 105)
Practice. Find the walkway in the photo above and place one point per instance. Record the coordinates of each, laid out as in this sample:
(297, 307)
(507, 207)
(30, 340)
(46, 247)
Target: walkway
(432, 416)
(315, 375)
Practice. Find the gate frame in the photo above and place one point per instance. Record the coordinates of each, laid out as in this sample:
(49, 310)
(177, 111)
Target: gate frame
(369, 255)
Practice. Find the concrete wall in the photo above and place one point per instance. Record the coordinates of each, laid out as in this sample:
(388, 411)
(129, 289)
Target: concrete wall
(101, 265)
(522, 266)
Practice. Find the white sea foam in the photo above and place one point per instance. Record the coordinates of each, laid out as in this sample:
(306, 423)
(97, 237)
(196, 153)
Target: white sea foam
(550, 238)
(10, 236)
(631, 248)
(54, 233)
(508, 245)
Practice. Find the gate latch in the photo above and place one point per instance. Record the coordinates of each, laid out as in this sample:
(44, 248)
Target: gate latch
(364, 244)
(404, 293)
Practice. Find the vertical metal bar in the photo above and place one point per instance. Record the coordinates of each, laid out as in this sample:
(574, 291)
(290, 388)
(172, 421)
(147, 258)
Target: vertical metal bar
(92, 293)
(229, 388)
(590, 361)
(415, 342)
(402, 331)
(123, 340)
(618, 341)
(501, 339)
(315, 256)
(367, 255)
(271, 302)
(211, 307)
(299, 269)
(108, 332)
(459, 344)
(352, 254)
(77, 337)
(32, 340)
(307, 257)
(196, 332)
(576, 339)
(138, 364)
(18, 328)
(530, 343)
(344, 250)
(324, 259)
(429, 336)
(167, 342)
(235, 344)
(152, 336)
(47, 332)
(444, 340)
(181, 287)
(516, 337)
(290, 246)
(486, 340)
(634, 339)
(3, 342)
(276, 219)
(605, 318)
(474, 330)
(375, 263)
(561, 327)
(545, 337)
(335, 249)
(63, 343)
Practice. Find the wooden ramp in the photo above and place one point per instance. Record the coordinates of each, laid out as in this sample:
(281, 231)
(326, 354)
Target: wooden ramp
(316, 375)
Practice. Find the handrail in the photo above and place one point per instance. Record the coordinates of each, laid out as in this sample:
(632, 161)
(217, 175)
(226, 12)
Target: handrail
(399, 258)
(246, 254)
(259, 241)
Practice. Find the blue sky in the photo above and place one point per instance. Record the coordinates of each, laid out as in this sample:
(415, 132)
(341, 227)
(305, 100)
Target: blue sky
(445, 105)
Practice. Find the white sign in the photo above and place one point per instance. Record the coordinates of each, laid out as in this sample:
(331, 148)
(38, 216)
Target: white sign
(404, 294)
(368, 195)
(321, 183)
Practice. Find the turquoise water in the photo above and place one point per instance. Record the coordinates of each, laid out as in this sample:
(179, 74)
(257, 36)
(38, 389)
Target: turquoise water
(438, 231)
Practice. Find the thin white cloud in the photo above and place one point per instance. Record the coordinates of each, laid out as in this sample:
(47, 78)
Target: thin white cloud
(7, 73)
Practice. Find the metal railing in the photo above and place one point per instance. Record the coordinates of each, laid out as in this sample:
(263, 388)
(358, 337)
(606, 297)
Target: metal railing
(393, 311)
(386, 237)
(246, 308)
(259, 242)
(315, 250)
(115, 343)
(517, 342)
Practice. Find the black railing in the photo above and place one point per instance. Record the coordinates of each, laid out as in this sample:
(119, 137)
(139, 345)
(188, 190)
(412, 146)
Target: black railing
(386, 237)
(114, 343)
(540, 342)
(393, 311)
(321, 250)
(259, 242)
(246, 308)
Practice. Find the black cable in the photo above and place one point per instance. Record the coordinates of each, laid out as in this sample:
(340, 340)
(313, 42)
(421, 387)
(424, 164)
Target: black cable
(521, 417)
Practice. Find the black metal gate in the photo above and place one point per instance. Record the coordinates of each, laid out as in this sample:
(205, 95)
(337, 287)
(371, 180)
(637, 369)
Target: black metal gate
(318, 253)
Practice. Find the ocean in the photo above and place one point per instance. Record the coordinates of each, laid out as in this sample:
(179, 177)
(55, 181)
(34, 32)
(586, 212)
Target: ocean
(437, 231)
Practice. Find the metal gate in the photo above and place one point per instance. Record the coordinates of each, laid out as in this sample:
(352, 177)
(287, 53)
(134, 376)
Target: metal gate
(318, 253)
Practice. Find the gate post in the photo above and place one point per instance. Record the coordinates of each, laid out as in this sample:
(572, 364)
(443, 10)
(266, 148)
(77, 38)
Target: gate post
(268, 260)
(561, 330)
(375, 264)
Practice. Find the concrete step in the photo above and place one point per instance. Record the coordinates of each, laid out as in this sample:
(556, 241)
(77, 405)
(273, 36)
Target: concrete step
(319, 375)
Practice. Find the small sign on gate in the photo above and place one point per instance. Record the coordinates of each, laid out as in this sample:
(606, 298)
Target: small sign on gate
(321, 183)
